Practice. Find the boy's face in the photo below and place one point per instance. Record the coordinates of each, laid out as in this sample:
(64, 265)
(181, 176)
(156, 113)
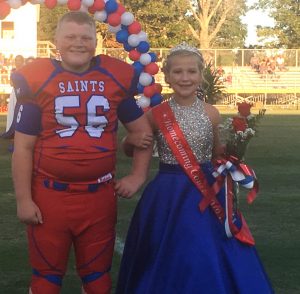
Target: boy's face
(76, 44)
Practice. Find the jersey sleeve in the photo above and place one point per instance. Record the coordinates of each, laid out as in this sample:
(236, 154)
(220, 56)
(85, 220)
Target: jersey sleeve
(21, 87)
(28, 119)
(129, 110)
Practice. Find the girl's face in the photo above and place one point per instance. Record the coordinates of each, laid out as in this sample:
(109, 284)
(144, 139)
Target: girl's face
(184, 77)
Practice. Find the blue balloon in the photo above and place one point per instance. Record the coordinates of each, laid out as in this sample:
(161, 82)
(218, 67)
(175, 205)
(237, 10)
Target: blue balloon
(111, 6)
(127, 47)
(138, 67)
(153, 56)
(140, 88)
(155, 99)
(122, 36)
(143, 47)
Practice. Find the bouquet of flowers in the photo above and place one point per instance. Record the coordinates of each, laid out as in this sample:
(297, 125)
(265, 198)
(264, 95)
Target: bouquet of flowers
(237, 131)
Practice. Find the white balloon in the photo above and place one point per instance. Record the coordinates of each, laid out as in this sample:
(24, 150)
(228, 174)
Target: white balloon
(100, 15)
(127, 18)
(15, 4)
(133, 40)
(145, 58)
(87, 3)
(145, 79)
(62, 2)
(113, 29)
(143, 101)
(37, 2)
(83, 8)
(142, 36)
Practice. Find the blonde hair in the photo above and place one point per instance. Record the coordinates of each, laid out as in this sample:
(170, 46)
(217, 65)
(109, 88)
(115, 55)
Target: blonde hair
(78, 17)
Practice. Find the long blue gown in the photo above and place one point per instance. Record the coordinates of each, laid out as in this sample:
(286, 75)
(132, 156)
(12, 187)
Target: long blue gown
(173, 248)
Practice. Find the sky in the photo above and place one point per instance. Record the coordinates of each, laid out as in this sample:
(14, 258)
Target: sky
(254, 18)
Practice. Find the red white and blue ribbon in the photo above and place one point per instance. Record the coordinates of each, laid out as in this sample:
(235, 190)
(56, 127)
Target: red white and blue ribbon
(240, 173)
(232, 171)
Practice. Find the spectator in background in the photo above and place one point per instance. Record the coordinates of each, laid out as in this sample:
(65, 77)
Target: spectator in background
(4, 74)
(263, 68)
(254, 63)
(280, 63)
(19, 62)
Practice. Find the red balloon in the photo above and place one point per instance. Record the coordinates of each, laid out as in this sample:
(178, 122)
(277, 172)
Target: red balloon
(50, 3)
(134, 28)
(149, 90)
(121, 9)
(91, 10)
(4, 10)
(158, 87)
(74, 4)
(98, 5)
(151, 68)
(114, 19)
(134, 55)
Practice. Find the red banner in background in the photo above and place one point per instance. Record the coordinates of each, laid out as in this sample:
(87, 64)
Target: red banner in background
(3, 109)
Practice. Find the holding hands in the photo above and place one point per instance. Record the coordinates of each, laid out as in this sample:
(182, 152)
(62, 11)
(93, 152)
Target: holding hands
(138, 142)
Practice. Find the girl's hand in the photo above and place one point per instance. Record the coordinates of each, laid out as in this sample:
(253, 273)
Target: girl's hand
(140, 139)
(128, 185)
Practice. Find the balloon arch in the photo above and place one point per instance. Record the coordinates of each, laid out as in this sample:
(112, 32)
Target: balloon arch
(127, 30)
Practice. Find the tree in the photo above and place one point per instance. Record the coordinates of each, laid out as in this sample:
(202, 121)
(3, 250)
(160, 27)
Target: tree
(163, 20)
(214, 20)
(202, 23)
(48, 22)
(286, 13)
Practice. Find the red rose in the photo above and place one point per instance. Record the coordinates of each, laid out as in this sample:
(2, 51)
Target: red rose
(239, 123)
(244, 108)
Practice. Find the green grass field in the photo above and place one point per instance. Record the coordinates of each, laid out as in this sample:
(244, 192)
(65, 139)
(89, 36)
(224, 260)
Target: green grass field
(274, 217)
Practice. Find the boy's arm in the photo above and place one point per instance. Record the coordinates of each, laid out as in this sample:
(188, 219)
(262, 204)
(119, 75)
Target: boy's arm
(136, 139)
(130, 184)
(22, 166)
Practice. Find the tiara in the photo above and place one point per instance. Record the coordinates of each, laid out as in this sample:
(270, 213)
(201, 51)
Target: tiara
(185, 47)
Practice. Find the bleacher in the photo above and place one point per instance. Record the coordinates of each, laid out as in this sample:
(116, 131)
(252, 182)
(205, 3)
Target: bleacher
(244, 78)
(279, 88)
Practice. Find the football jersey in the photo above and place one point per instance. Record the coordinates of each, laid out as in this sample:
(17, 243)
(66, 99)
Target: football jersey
(75, 115)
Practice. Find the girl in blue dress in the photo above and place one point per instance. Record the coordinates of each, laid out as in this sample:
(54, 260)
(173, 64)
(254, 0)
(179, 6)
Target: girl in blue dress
(173, 246)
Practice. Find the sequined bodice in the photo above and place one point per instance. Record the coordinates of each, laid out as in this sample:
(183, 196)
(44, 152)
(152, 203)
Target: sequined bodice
(197, 129)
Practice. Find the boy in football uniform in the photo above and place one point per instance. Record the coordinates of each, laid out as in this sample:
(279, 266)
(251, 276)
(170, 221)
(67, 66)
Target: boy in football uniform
(65, 155)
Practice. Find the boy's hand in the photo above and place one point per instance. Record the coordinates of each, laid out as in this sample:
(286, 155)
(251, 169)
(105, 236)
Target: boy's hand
(128, 185)
(29, 213)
